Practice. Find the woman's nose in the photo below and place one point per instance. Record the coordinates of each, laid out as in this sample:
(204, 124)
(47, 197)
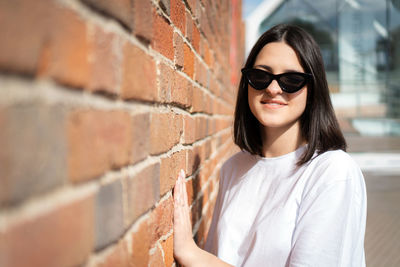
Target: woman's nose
(273, 88)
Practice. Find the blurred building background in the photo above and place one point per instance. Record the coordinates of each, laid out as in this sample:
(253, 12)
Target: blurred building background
(360, 44)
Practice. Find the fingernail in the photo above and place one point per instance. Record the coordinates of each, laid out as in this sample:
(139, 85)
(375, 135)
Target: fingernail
(182, 173)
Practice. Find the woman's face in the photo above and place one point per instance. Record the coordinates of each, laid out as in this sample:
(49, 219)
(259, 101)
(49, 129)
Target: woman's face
(271, 106)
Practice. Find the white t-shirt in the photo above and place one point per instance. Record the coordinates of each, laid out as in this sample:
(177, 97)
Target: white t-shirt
(270, 212)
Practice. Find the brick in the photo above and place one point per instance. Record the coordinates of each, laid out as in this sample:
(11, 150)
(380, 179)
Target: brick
(196, 211)
(166, 82)
(181, 91)
(165, 6)
(178, 14)
(109, 224)
(192, 5)
(156, 259)
(196, 38)
(170, 167)
(69, 50)
(190, 192)
(165, 131)
(139, 75)
(28, 127)
(162, 219)
(214, 87)
(163, 37)
(188, 61)
(193, 161)
(179, 54)
(200, 74)
(105, 64)
(118, 256)
(141, 245)
(122, 10)
(197, 100)
(209, 104)
(189, 27)
(140, 138)
(143, 20)
(98, 141)
(207, 149)
(143, 191)
(63, 236)
(199, 154)
(168, 246)
(189, 133)
(24, 27)
(201, 234)
(208, 58)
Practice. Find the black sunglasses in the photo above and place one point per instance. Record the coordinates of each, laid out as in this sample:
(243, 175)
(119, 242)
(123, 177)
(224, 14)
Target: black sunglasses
(290, 82)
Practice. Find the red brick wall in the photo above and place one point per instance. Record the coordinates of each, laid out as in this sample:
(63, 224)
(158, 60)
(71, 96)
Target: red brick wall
(101, 103)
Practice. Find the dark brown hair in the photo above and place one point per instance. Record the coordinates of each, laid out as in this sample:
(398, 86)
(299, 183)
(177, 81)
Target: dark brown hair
(319, 125)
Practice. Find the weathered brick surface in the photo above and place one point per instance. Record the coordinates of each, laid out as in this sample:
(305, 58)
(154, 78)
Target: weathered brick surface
(167, 246)
(166, 82)
(163, 37)
(143, 20)
(33, 150)
(111, 97)
(119, 256)
(63, 236)
(140, 140)
(98, 140)
(139, 75)
(181, 91)
(196, 38)
(166, 6)
(170, 167)
(178, 48)
(162, 219)
(105, 63)
(166, 129)
(120, 9)
(178, 14)
(69, 50)
(109, 214)
(188, 133)
(143, 191)
(188, 60)
(31, 20)
(156, 259)
(141, 245)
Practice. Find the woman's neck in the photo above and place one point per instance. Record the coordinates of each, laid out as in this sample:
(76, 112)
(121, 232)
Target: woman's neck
(281, 140)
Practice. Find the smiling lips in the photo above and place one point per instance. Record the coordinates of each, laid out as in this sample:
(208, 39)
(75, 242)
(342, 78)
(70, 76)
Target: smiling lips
(273, 104)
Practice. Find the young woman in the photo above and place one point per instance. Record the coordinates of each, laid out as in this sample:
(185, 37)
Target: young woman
(292, 196)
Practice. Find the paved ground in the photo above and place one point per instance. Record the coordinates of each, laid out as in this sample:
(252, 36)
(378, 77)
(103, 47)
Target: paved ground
(382, 238)
(379, 158)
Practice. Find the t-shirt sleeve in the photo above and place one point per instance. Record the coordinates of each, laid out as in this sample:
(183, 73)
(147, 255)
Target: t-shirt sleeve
(330, 224)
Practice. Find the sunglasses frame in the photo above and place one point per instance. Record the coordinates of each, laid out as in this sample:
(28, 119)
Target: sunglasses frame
(306, 76)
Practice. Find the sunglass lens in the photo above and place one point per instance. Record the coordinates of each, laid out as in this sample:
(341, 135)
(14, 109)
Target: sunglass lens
(292, 82)
(258, 79)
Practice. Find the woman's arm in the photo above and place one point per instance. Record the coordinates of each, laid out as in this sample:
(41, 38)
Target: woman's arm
(186, 251)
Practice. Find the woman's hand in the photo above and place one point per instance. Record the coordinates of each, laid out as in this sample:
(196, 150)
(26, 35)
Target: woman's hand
(186, 252)
(184, 245)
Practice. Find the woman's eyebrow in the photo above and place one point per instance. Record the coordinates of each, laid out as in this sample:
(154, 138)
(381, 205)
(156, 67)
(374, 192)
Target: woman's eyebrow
(268, 68)
(264, 67)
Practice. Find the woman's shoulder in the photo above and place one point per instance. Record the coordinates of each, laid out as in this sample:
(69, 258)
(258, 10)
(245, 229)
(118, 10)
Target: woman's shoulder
(335, 172)
(238, 159)
(335, 160)
(237, 165)
(334, 165)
